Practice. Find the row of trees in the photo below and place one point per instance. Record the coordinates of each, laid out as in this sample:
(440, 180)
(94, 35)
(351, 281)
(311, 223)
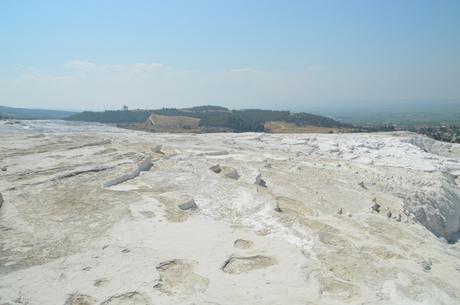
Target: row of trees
(111, 116)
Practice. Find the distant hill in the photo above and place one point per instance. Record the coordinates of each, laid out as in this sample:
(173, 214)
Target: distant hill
(112, 116)
(214, 117)
(23, 113)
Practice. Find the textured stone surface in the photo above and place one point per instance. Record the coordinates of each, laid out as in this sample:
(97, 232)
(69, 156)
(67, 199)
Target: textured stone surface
(63, 234)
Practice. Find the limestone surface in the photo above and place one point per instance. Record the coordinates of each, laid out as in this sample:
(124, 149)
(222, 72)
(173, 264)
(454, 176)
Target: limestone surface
(92, 214)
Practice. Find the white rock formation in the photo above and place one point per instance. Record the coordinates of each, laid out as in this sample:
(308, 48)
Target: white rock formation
(64, 239)
(143, 166)
(259, 181)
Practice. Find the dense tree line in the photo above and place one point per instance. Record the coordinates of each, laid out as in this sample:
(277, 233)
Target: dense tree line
(112, 116)
(302, 119)
(381, 128)
(251, 119)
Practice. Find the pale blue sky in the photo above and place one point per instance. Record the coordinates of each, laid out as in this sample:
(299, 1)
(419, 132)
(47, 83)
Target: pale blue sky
(268, 54)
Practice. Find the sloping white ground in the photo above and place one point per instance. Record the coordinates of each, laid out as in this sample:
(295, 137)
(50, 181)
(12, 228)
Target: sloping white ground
(67, 236)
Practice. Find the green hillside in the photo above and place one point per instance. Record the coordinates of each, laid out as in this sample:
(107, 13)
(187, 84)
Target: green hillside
(214, 116)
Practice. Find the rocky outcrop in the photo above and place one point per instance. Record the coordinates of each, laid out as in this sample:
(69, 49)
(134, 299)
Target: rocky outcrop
(157, 149)
(143, 166)
(188, 205)
(216, 168)
(375, 207)
(438, 211)
(428, 145)
(259, 181)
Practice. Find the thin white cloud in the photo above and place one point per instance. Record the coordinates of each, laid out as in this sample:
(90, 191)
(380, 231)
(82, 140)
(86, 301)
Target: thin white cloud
(87, 66)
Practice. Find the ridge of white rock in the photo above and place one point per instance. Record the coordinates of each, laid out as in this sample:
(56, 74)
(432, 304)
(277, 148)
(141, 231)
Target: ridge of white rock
(143, 166)
(71, 241)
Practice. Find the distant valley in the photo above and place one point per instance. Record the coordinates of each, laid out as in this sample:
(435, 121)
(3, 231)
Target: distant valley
(33, 114)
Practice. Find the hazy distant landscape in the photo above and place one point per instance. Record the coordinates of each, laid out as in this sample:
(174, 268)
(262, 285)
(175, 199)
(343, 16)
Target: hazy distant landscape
(400, 115)
(34, 114)
(301, 152)
(440, 122)
(334, 218)
(211, 118)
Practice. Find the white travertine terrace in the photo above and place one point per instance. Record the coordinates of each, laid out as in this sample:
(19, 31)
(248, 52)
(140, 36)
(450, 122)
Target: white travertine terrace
(69, 235)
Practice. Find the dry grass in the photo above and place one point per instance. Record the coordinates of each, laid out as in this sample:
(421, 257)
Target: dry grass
(284, 127)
